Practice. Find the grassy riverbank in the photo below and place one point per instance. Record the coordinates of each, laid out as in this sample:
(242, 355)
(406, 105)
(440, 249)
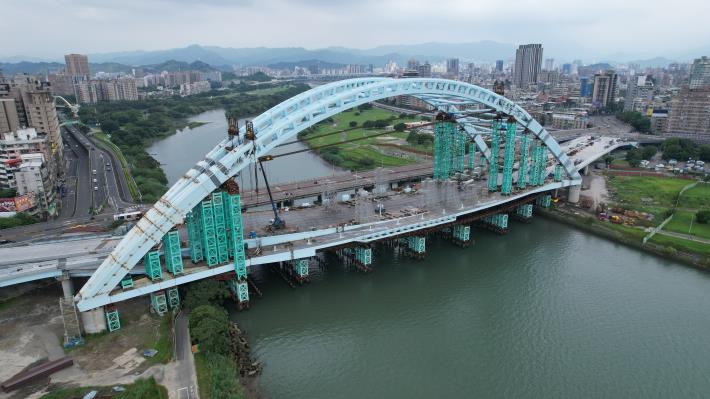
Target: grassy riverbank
(683, 238)
(391, 149)
(676, 249)
(132, 126)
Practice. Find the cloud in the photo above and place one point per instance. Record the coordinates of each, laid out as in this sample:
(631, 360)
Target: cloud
(567, 28)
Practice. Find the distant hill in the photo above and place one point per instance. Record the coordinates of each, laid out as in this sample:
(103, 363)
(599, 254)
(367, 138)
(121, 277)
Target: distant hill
(304, 64)
(221, 56)
(32, 68)
(174, 66)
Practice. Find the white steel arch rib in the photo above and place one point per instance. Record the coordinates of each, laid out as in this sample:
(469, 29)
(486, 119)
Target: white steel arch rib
(276, 126)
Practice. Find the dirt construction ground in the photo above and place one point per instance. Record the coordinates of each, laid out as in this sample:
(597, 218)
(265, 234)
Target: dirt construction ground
(31, 332)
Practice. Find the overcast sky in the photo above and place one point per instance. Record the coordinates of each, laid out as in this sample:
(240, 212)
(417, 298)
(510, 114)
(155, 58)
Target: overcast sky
(567, 28)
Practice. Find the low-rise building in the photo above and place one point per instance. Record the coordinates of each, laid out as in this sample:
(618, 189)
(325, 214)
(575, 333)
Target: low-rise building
(33, 179)
(13, 146)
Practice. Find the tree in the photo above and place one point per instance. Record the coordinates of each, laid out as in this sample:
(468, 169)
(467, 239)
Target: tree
(704, 153)
(209, 326)
(633, 157)
(400, 127)
(109, 126)
(680, 149)
(205, 292)
(368, 124)
(365, 106)
(649, 151)
(412, 137)
(353, 123)
(703, 216)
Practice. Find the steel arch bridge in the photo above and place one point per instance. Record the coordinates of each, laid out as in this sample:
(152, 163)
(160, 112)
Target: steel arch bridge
(284, 122)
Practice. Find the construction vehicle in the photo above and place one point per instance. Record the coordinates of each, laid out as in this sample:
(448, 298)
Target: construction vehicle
(615, 219)
(277, 223)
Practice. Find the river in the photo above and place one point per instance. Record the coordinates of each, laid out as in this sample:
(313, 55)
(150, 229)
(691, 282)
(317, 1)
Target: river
(546, 311)
(181, 151)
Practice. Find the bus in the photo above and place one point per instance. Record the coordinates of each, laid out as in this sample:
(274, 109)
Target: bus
(128, 215)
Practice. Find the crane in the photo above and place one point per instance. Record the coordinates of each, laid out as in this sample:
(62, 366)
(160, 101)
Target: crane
(278, 223)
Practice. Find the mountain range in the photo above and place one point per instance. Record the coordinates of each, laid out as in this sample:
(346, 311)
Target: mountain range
(226, 57)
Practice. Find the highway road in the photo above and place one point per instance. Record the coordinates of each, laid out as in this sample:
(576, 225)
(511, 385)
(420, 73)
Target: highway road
(101, 174)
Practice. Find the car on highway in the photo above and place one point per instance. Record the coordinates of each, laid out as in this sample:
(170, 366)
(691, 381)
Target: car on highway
(96, 188)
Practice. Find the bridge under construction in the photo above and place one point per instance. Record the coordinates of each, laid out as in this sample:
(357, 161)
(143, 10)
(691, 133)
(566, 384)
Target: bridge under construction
(492, 162)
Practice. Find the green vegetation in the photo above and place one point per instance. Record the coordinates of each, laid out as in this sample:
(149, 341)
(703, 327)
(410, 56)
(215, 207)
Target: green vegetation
(133, 125)
(636, 119)
(209, 326)
(194, 124)
(8, 193)
(635, 155)
(141, 389)
(659, 194)
(682, 149)
(366, 153)
(205, 292)
(163, 341)
(703, 217)
(257, 77)
(20, 219)
(216, 377)
(216, 370)
(660, 197)
(681, 244)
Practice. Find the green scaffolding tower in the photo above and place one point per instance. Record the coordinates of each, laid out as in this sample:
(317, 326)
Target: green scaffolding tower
(509, 157)
(220, 227)
(471, 156)
(193, 236)
(172, 252)
(449, 147)
(235, 234)
(112, 319)
(151, 262)
(558, 172)
(158, 302)
(173, 297)
(523, 164)
(542, 169)
(493, 159)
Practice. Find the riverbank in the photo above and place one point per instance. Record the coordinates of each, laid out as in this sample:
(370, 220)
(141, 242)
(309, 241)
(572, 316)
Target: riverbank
(133, 126)
(628, 236)
(365, 137)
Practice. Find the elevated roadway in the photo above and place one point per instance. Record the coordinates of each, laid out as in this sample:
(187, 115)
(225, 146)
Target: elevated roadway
(309, 230)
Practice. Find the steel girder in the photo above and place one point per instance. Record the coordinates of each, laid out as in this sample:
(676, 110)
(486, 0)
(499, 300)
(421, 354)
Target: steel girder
(273, 127)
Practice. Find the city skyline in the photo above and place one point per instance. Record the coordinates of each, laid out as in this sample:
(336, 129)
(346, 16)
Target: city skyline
(566, 32)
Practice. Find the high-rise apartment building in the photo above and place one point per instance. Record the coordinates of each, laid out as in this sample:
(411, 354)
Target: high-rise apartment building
(604, 89)
(412, 64)
(34, 108)
(425, 70)
(528, 60)
(700, 73)
(549, 64)
(499, 66)
(77, 66)
(689, 115)
(585, 89)
(452, 66)
(121, 89)
(639, 93)
(9, 121)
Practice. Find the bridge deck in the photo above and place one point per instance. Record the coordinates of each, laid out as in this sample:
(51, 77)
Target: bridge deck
(81, 256)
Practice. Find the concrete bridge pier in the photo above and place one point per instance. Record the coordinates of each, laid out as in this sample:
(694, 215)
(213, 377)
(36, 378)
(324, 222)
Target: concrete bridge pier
(67, 286)
(573, 194)
(585, 170)
(93, 321)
